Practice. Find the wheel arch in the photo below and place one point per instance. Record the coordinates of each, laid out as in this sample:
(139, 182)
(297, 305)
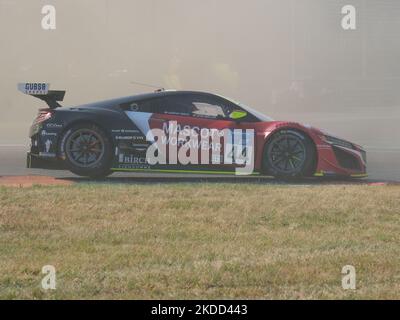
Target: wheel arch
(82, 121)
(300, 130)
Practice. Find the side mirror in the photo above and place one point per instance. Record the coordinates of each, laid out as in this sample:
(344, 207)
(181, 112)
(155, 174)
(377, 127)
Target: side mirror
(237, 114)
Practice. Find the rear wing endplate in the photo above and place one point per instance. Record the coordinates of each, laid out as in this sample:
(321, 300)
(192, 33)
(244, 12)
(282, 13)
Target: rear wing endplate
(42, 92)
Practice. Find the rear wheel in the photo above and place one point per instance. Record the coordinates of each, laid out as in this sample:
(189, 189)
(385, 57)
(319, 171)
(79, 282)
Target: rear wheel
(289, 154)
(87, 151)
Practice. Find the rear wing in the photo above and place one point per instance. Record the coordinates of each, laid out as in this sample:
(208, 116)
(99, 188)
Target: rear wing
(42, 92)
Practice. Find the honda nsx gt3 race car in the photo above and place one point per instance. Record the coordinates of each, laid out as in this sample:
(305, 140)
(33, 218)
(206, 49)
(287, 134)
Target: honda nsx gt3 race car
(99, 138)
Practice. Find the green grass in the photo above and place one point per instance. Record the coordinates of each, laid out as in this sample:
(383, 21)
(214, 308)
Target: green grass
(198, 241)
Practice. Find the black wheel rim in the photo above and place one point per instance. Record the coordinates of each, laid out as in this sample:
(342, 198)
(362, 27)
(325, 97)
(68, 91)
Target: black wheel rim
(85, 148)
(287, 154)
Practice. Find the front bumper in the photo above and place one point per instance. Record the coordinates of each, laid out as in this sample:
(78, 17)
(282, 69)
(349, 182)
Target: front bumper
(336, 160)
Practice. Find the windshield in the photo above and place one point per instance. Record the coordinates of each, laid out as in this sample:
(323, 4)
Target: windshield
(257, 114)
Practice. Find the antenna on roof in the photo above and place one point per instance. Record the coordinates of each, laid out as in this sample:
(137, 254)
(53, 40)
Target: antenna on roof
(158, 88)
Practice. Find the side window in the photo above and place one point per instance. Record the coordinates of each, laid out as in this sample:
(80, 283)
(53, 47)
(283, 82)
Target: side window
(207, 110)
(149, 106)
(165, 105)
(177, 105)
(198, 106)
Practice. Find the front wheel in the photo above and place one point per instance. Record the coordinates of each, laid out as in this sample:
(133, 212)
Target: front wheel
(289, 154)
(87, 151)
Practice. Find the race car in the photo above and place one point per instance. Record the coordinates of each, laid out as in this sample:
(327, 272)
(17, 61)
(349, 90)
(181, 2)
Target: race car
(97, 139)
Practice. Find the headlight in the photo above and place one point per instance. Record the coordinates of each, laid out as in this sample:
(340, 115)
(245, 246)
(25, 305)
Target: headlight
(338, 142)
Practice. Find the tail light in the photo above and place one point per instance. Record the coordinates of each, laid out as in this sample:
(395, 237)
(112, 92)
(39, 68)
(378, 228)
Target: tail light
(43, 115)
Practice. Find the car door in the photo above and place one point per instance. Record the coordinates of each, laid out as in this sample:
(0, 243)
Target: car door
(202, 114)
(214, 113)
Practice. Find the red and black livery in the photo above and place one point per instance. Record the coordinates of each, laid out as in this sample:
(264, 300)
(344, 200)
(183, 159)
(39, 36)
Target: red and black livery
(99, 138)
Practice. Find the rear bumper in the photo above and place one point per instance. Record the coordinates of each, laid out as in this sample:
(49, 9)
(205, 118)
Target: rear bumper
(34, 161)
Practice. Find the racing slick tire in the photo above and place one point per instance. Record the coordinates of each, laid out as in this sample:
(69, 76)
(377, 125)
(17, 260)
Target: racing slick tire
(289, 154)
(87, 150)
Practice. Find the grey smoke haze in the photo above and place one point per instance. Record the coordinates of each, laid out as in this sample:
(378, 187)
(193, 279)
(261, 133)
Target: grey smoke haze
(289, 59)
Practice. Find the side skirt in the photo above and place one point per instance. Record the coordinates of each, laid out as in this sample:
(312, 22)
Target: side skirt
(180, 171)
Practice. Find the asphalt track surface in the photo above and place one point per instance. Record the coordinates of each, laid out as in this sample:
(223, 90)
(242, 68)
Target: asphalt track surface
(384, 166)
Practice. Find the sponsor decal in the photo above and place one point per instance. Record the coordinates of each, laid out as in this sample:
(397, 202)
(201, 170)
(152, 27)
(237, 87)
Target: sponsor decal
(125, 131)
(44, 133)
(184, 144)
(130, 138)
(187, 144)
(47, 145)
(47, 154)
(134, 107)
(324, 146)
(133, 166)
(131, 147)
(34, 88)
(131, 159)
(54, 125)
(173, 137)
(131, 156)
